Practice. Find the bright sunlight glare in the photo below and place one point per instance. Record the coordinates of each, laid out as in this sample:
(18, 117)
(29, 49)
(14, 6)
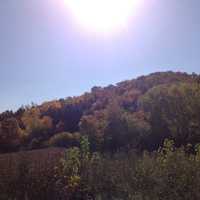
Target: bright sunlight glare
(102, 15)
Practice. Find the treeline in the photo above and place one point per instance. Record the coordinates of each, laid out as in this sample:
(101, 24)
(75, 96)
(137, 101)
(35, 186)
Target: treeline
(137, 114)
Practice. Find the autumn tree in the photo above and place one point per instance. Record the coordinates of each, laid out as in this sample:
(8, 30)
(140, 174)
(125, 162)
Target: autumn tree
(10, 134)
(37, 128)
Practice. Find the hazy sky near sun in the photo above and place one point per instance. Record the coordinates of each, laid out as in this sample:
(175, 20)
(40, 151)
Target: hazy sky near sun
(45, 54)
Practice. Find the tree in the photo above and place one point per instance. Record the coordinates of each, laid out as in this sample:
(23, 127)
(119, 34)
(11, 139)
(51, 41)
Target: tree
(10, 134)
(37, 127)
(65, 139)
(174, 112)
(94, 127)
(124, 129)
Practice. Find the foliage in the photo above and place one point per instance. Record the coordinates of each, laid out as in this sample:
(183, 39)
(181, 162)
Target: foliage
(132, 114)
(174, 112)
(168, 173)
(137, 140)
(64, 139)
(10, 134)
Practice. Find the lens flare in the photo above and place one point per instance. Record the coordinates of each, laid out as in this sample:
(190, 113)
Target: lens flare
(102, 15)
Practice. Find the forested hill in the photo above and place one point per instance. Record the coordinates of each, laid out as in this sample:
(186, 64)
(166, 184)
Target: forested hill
(138, 113)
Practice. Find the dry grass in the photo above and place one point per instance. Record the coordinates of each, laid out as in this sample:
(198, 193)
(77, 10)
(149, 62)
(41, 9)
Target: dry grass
(37, 160)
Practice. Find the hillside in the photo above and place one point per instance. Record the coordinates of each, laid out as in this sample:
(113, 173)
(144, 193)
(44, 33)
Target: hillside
(138, 139)
(138, 113)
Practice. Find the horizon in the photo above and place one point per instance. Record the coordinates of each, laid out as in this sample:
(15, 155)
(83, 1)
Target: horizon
(46, 55)
(102, 86)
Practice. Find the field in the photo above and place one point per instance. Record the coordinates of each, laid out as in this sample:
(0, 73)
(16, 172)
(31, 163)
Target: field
(27, 170)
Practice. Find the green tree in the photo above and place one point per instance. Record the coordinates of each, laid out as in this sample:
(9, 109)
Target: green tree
(174, 112)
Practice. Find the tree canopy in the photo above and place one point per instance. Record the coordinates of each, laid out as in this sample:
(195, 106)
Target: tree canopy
(138, 113)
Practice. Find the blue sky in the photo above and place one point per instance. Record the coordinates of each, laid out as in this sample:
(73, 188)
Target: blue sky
(45, 55)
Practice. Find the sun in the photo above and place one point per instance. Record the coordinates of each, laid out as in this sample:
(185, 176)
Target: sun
(102, 15)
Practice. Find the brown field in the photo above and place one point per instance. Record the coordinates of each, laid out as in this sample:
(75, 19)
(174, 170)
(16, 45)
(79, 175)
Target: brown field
(36, 160)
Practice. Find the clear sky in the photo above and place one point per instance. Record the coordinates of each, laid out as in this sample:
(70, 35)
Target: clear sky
(45, 55)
